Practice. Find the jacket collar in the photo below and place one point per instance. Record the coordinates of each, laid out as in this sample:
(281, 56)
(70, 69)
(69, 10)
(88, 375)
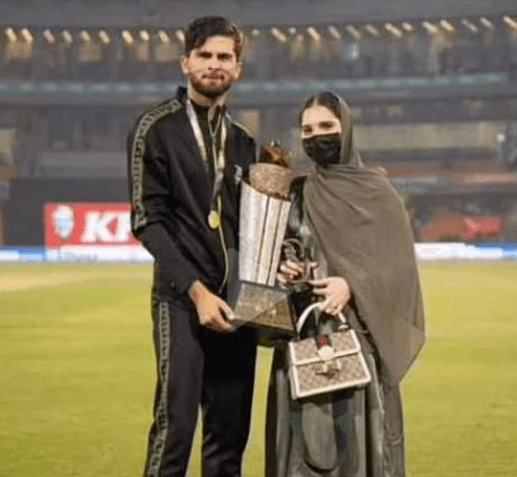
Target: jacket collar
(182, 96)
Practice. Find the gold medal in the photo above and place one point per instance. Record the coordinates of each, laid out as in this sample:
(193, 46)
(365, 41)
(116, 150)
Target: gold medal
(214, 220)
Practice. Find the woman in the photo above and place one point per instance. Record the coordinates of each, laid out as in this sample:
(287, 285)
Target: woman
(354, 227)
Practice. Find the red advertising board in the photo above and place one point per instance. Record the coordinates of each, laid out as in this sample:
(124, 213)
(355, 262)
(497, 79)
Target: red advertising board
(96, 224)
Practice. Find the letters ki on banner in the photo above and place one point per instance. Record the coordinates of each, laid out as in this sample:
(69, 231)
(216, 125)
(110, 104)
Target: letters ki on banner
(96, 224)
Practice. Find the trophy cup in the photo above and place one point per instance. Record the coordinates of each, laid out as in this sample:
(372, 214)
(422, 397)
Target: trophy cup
(264, 212)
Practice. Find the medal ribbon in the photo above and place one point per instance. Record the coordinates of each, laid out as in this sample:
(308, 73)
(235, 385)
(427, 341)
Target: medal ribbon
(219, 159)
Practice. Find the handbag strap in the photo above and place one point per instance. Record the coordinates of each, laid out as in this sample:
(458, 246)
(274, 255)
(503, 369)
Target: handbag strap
(303, 317)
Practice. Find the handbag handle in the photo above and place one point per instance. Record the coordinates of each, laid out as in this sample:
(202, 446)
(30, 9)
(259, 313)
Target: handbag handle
(308, 310)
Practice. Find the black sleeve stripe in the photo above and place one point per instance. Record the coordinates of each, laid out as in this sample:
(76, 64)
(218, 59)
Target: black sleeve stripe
(140, 214)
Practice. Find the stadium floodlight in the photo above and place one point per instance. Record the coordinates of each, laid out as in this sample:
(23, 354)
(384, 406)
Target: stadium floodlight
(485, 21)
(278, 35)
(180, 36)
(430, 27)
(353, 31)
(11, 34)
(510, 22)
(408, 27)
(27, 35)
(292, 31)
(393, 30)
(105, 38)
(85, 36)
(144, 35)
(313, 33)
(298, 46)
(447, 26)
(49, 36)
(255, 33)
(371, 29)
(473, 28)
(164, 38)
(128, 38)
(67, 36)
(334, 32)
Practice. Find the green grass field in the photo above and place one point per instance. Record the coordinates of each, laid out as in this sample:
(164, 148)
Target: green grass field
(77, 373)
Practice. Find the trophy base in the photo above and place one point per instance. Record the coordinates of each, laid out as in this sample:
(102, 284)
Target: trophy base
(265, 308)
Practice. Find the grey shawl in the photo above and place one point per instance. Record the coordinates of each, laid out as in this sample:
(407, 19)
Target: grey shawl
(362, 229)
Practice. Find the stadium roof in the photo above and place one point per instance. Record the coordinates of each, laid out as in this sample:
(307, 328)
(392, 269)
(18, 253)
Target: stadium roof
(178, 13)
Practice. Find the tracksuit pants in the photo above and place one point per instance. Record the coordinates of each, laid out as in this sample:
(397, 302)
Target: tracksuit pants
(196, 366)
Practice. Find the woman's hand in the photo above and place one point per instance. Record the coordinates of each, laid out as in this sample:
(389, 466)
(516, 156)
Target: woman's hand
(336, 293)
(291, 271)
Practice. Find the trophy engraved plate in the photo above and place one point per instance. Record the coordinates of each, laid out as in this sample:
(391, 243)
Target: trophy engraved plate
(263, 306)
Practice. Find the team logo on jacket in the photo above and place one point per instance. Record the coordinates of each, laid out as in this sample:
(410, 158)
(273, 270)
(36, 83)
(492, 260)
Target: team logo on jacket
(64, 221)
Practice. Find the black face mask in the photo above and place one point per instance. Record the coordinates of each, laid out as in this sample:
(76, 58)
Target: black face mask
(323, 149)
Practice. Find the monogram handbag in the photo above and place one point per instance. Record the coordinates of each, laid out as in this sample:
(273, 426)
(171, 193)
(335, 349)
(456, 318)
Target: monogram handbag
(327, 363)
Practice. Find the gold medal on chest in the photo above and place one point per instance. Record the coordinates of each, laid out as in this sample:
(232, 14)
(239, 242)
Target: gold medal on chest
(214, 221)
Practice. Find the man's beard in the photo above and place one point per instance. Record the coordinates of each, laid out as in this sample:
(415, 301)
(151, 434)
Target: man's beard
(210, 92)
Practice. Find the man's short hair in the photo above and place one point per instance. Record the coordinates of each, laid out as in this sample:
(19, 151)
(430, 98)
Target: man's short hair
(203, 28)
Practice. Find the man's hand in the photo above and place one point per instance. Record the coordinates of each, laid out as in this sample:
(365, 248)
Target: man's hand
(211, 309)
(336, 292)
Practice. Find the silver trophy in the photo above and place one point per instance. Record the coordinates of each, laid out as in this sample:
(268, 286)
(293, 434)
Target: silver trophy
(264, 213)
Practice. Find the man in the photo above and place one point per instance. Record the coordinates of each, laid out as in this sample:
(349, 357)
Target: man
(186, 160)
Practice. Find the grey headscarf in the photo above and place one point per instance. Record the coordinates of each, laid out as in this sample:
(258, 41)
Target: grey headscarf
(362, 228)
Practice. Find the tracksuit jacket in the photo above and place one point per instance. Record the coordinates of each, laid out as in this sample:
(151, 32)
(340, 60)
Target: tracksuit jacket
(171, 190)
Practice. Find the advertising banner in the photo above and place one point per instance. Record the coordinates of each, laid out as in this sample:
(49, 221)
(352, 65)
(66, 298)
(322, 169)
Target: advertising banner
(91, 231)
(101, 232)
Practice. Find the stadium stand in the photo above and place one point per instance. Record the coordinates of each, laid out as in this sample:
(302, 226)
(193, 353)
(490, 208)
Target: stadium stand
(433, 87)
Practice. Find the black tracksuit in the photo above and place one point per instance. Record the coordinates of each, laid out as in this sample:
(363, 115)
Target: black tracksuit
(171, 190)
